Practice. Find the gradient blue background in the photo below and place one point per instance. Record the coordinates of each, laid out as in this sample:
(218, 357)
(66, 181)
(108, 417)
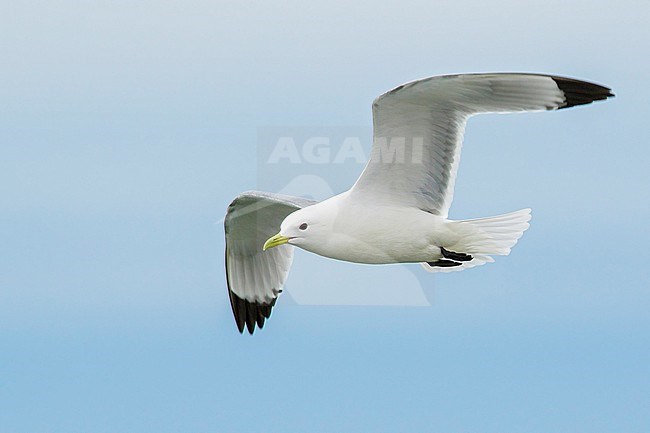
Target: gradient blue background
(127, 127)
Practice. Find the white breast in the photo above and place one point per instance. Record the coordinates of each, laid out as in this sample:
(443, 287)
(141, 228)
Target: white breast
(382, 234)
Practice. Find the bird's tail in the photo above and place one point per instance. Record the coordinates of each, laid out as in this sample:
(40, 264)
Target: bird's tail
(485, 237)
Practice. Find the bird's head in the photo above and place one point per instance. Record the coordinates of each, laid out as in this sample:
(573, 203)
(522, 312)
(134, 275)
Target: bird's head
(307, 228)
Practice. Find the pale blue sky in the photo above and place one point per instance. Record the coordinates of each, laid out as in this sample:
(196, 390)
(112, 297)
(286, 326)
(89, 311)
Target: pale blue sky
(127, 127)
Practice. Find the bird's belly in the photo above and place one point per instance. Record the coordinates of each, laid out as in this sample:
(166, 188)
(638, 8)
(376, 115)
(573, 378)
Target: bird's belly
(377, 256)
(414, 241)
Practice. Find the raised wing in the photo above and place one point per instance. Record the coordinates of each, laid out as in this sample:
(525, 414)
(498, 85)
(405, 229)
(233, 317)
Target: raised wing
(419, 126)
(255, 278)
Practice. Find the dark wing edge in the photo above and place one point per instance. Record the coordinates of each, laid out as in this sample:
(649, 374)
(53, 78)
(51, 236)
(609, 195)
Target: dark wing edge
(577, 92)
(247, 314)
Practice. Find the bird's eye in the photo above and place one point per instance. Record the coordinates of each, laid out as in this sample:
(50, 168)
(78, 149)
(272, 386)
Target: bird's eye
(303, 226)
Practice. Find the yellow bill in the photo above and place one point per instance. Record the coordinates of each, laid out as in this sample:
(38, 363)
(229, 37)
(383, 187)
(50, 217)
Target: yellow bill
(275, 241)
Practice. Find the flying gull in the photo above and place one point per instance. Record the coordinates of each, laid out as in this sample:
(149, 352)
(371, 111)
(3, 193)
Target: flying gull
(396, 212)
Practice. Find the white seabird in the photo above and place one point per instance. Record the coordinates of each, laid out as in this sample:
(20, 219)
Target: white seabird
(396, 212)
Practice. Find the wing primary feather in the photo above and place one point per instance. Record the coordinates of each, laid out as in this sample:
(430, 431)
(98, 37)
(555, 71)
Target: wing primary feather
(236, 303)
(246, 313)
(260, 318)
(266, 309)
(254, 278)
(251, 317)
(578, 92)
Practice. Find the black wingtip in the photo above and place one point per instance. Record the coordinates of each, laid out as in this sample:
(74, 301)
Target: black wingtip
(248, 314)
(577, 92)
